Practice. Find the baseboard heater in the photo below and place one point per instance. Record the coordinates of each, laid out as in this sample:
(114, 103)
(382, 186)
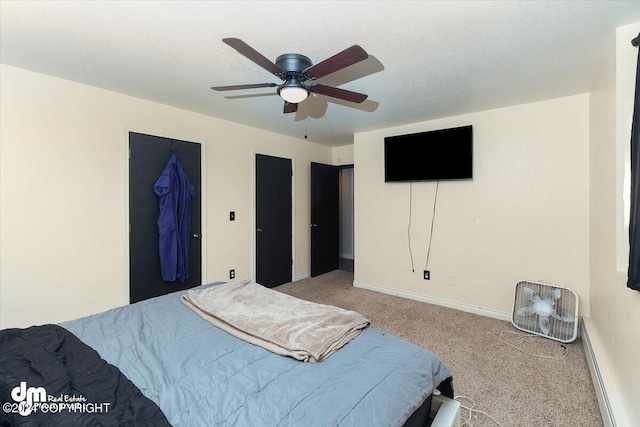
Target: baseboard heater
(445, 412)
(598, 384)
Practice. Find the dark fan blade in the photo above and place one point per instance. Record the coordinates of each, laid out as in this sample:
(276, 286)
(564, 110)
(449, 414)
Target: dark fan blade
(237, 87)
(335, 92)
(252, 54)
(289, 107)
(337, 62)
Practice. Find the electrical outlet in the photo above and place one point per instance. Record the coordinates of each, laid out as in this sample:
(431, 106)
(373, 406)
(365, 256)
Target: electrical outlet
(427, 275)
(232, 216)
(232, 274)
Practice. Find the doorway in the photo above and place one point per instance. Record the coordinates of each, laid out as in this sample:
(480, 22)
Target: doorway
(148, 156)
(274, 220)
(332, 220)
(325, 218)
(347, 238)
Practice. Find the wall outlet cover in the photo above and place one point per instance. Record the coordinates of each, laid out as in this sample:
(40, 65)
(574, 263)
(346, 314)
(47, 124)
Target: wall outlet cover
(427, 275)
(232, 274)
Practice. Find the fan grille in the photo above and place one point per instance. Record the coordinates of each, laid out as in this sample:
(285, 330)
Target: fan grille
(566, 307)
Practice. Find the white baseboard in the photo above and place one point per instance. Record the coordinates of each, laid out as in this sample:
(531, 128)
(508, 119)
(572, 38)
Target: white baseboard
(437, 301)
(597, 377)
(302, 276)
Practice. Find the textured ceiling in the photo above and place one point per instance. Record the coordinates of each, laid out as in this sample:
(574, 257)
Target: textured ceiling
(427, 59)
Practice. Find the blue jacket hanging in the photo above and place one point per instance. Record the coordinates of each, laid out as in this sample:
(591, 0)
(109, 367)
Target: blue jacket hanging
(175, 192)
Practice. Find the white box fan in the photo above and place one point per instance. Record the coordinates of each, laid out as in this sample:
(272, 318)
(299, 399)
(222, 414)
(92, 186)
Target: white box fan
(547, 310)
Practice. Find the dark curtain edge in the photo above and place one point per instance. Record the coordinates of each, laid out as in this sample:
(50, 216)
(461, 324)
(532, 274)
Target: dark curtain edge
(633, 275)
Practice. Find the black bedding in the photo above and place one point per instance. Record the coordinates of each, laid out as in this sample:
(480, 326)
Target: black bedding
(81, 388)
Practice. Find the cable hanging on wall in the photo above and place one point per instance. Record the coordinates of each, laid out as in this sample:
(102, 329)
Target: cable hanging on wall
(433, 217)
(409, 227)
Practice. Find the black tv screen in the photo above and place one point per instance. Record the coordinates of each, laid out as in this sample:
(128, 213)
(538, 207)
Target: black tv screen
(438, 155)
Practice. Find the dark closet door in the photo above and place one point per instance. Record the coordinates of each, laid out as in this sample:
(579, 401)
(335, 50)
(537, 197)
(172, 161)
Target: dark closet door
(273, 220)
(148, 158)
(325, 219)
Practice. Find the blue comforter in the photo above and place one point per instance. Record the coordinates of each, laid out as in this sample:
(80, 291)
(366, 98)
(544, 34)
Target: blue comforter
(201, 376)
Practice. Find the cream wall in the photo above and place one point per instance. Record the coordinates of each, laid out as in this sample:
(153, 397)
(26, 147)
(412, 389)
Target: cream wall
(615, 309)
(63, 207)
(525, 214)
(343, 155)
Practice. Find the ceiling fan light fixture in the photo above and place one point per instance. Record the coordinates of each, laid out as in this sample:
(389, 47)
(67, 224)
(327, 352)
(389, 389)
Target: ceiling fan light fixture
(293, 92)
(295, 69)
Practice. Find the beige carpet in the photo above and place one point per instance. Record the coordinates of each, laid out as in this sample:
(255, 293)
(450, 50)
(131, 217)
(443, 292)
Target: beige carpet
(517, 389)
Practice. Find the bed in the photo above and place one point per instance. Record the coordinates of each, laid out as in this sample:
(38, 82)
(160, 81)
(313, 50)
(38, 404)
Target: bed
(198, 375)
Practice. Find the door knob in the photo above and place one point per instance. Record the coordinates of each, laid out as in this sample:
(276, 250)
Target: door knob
(314, 225)
(197, 235)
(259, 230)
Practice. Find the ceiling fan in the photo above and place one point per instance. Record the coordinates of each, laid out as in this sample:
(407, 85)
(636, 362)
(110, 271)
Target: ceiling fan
(295, 69)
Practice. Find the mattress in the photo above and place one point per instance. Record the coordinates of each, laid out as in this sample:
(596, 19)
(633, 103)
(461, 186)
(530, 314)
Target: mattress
(200, 375)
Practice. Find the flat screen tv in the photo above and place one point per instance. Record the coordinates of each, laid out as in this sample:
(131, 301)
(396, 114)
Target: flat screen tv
(445, 154)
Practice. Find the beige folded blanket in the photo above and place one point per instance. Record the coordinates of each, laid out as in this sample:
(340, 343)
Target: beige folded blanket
(280, 323)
